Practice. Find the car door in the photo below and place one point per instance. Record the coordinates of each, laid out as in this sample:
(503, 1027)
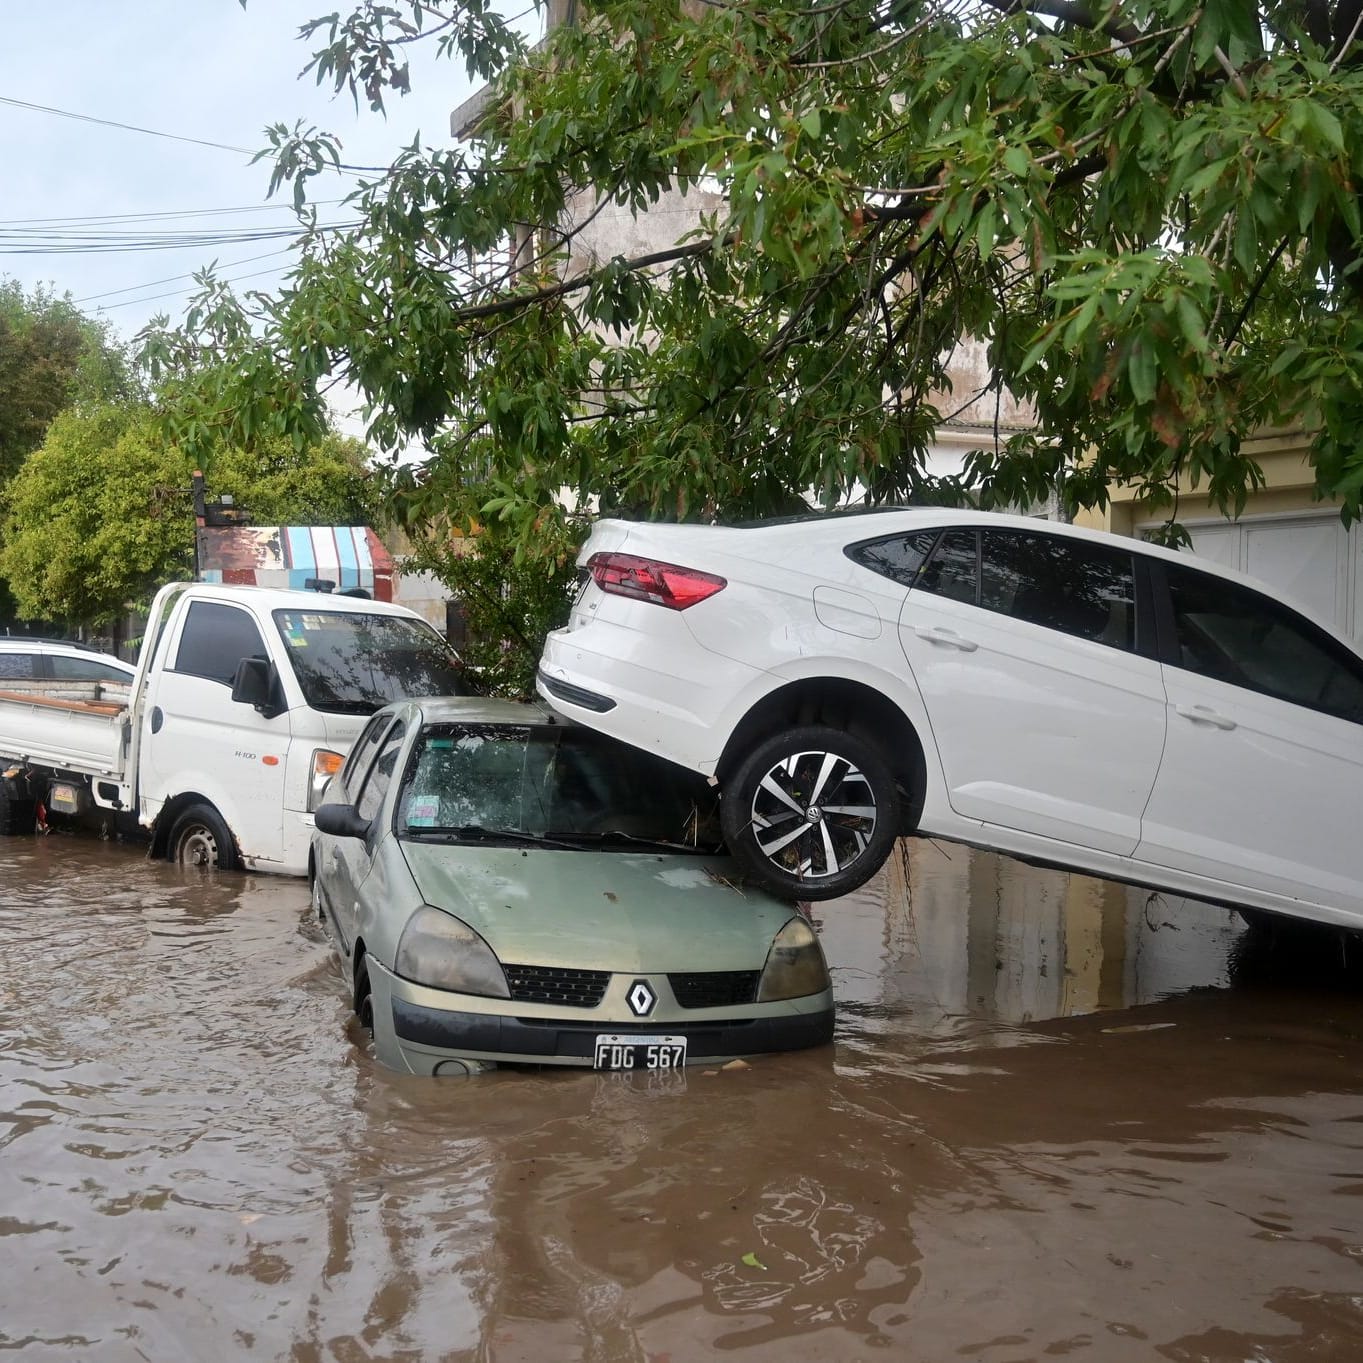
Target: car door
(1262, 779)
(196, 738)
(1037, 670)
(349, 860)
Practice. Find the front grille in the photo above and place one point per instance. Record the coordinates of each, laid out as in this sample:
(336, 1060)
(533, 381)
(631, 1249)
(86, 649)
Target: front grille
(548, 984)
(714, 988)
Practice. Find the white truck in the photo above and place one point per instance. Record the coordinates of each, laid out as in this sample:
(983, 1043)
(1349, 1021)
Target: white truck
(245, 701)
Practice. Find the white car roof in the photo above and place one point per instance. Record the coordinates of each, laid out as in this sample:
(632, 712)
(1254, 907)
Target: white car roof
(281, 598)
(18, 643)
(831, 529)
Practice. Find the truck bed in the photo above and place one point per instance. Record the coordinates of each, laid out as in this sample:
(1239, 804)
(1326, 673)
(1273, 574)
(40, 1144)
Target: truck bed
(74, 726)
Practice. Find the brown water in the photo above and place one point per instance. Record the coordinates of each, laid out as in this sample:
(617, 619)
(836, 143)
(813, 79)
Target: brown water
(1060, 1120)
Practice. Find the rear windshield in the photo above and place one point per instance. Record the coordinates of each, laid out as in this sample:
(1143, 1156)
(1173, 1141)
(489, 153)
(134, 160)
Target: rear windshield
(555, 782)
(352, 663)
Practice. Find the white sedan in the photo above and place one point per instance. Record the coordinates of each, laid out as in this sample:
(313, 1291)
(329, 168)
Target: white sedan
(1062, 695)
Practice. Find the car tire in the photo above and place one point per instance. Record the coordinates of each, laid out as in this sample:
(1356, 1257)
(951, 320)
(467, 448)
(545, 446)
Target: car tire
(17, 816)
(765, 812)
(200, 839)
(364, 1000)
(319, 908)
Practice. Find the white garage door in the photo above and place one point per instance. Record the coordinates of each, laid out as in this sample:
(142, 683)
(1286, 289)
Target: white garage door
(1310, 559)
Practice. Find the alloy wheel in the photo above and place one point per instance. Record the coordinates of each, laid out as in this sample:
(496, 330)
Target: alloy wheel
(813, 814)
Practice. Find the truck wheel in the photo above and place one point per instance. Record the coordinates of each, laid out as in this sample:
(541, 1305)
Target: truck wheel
(811, 813)
(200, 838)
(17, 816)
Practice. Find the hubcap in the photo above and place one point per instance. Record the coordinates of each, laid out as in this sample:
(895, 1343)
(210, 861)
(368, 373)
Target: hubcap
(199, 848)
(813, 814)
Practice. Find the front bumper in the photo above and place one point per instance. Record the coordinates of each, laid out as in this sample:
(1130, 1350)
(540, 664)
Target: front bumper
(415, 1035)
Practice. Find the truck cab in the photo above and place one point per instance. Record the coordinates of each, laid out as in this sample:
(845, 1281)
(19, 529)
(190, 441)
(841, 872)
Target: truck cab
(244, 703)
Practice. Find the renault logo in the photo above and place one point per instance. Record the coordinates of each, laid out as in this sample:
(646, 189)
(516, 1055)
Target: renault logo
(641, 998)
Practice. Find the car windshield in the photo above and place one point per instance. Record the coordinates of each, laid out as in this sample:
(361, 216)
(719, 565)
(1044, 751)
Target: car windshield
(555, 783)
(354, 662)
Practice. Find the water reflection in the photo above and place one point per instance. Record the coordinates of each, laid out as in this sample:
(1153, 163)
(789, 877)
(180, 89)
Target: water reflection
(957, 934)
(1061, 1119)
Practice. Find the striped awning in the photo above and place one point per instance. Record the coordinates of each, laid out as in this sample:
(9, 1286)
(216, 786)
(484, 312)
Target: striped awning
(350, 556)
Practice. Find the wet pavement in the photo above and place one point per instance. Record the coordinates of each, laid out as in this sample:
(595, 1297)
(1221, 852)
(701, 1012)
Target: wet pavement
(1061, 1119)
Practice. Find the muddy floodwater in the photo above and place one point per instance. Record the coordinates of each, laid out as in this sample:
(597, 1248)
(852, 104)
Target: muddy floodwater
(1060, 1119)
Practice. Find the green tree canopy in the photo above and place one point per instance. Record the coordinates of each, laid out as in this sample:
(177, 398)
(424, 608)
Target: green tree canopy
(51, 356)
(101, 514)
(1148, 209)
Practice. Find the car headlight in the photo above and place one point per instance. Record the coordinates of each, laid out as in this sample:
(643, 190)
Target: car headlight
(443, 953)
(325, 765)
(795, 965)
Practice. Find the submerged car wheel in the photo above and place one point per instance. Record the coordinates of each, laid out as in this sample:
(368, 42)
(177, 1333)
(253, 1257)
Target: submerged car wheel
(364, 1000)
(199, 838)
(17, 816)
(811, 813)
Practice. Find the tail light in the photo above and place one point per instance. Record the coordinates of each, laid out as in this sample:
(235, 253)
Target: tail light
(646, 579)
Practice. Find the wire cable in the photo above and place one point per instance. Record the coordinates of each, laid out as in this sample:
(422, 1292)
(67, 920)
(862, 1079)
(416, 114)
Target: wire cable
(126, 127)
(170, 279)
(176, 293)
(95, 220)
(25, 244)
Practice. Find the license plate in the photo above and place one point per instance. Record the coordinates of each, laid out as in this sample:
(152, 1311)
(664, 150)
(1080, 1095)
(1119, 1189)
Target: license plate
(64, 798)
(615, 1052)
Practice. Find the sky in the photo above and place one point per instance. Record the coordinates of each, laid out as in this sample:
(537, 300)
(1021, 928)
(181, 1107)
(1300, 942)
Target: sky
(200, 69)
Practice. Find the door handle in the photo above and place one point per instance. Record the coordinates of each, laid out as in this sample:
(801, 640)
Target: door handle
(939, 634)
(1204, 714)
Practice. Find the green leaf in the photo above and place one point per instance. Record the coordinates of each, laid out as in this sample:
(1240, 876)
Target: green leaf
(1140, 368)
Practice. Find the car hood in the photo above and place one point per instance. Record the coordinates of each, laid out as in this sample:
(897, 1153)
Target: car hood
(617, 911)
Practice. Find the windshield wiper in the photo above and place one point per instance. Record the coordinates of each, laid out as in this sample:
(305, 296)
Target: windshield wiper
(656, 844)
(472, 832)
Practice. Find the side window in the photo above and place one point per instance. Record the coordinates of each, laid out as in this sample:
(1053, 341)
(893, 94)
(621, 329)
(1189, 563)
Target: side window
(1087, 590)
(953, 569)
(899, 558)
(1236, 635)
(84, 669)
(380, 774)
(362, 753)
(17, 667)
(215, 639)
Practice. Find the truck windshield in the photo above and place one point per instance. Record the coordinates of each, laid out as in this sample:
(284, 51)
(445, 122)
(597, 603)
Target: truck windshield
(351, 662)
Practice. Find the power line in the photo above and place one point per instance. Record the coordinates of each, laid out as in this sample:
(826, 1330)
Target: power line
(340, 167)
(126, 127)
(95, 220)
(170, 279)
(176, 293)
(91, 243)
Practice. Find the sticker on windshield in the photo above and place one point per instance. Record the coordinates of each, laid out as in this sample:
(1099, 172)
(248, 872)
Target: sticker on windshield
(422, 812)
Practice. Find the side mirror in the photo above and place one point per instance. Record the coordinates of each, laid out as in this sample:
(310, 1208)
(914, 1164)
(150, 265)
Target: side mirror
(342, 821)
(257, 684)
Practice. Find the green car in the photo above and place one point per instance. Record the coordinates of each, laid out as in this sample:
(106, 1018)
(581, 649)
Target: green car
(507, 888)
